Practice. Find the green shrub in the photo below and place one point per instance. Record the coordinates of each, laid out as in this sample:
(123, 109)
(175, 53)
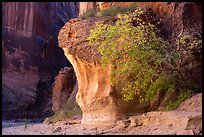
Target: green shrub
(136, 54)
(173, 104)
(139, 57)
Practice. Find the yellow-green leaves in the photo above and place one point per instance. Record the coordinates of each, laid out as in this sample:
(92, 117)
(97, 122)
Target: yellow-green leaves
(140, 58)
(132, 50)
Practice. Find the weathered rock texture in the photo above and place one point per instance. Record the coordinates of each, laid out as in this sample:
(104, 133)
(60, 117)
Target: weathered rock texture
(175, 15)
(62, 88)
(31, 57)
(85, 6)
(188, 116)
(99, 101)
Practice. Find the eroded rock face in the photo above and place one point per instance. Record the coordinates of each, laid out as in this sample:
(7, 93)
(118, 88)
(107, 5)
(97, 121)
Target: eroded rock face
(85, 6)
(98, 100)
(62, 88)
(31, 57)
(176, 16)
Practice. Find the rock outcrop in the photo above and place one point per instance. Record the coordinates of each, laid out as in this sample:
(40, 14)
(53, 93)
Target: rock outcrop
(96, 97)
(62, 88)
(98, 100)
(31, 57)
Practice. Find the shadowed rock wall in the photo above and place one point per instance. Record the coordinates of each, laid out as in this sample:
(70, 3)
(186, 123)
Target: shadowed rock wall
(31, 57)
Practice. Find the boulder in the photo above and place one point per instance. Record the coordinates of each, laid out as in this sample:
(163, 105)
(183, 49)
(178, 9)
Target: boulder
(192, 104)
(97, 98)
(57, 129)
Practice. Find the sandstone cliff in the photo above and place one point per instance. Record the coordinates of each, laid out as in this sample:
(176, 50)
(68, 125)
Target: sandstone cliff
(176, 16)
(30, 55)
(99, 100)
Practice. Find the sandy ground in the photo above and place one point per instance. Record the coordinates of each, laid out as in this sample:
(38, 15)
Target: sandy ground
(75, 128)
(191, 107)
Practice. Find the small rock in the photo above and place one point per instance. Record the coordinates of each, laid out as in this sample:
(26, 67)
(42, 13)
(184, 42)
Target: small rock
(124, 123)
(135, 121)
(196, 132)
(170, 125)
(195, 122)
(144, 114)
(72, 122)
(155, 128)
(47, 121)
(57, 129)
(185, 132)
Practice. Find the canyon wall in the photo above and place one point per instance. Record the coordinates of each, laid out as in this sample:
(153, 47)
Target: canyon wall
(97, 98)
(31, 57)
(175, 15)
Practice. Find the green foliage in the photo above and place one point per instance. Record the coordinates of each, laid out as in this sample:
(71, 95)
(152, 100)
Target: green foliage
(165, 83)
(112, 11)
(189, 46)
(136, 54)
(192, 43)
(142, 59)
(173, 104)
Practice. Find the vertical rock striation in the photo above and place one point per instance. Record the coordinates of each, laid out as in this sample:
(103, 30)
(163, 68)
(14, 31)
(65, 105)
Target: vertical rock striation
(31, 57)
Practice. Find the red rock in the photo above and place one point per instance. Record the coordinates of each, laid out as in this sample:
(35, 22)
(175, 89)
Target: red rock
(62, 88)
(31, 57)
